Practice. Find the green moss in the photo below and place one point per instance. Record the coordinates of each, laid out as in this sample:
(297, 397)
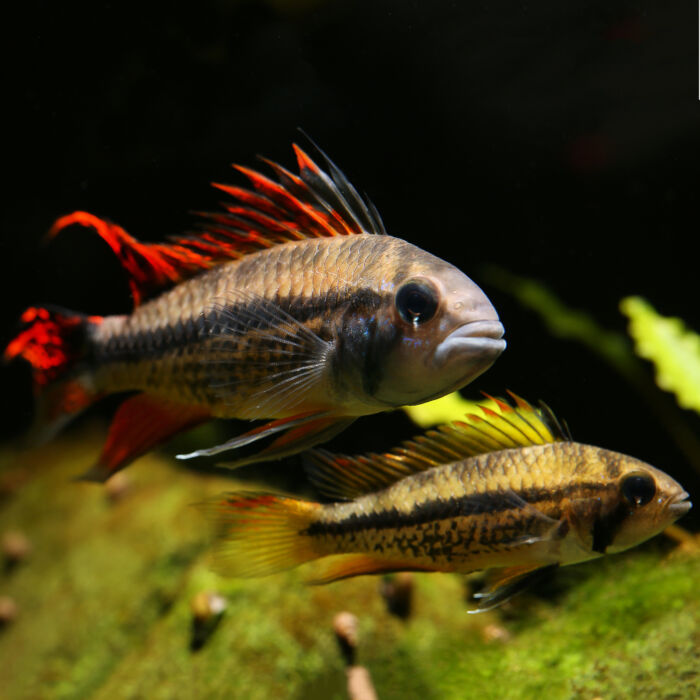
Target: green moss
(105, 596)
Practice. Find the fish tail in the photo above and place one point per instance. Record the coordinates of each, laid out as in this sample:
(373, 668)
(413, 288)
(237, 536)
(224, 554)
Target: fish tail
(55, 343)
(262, 533)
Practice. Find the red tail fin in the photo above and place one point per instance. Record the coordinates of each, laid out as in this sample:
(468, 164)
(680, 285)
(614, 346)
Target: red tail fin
(51, 341)
(54, 342)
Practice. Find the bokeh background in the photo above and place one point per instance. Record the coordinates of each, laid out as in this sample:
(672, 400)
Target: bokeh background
(556, 140)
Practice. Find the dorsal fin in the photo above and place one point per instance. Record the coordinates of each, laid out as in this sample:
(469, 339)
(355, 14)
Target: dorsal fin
(506, 426)
(312, 204)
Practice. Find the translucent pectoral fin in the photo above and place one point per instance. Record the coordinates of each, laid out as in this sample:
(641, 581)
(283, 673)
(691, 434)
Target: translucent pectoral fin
(254, 342)
(584, 518)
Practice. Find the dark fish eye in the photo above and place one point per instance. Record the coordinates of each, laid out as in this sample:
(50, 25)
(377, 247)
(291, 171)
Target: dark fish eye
(638, 489)
(417, 302)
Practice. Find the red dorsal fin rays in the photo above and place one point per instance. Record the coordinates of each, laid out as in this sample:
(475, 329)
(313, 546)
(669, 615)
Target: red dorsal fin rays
(141, 423)
(298, 432)
(151, 266)
(344, 477)
(311, 204)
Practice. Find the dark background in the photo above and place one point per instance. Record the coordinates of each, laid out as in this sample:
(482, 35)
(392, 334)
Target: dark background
(558, 140)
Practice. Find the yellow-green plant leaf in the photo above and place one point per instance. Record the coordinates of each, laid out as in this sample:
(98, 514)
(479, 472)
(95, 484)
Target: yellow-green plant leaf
(443, 410)
(670, 345)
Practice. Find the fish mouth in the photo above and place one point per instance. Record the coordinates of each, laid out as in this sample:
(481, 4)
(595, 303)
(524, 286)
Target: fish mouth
(680, 505)
(481, 340)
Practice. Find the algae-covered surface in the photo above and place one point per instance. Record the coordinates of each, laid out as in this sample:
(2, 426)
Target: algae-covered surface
(104, 608)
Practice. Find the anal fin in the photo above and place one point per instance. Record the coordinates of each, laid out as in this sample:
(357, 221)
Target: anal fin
(341, 566)
(141, 423)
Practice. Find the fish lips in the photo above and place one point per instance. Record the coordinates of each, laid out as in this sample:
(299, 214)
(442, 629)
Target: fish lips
(680, 505)
(479, 342)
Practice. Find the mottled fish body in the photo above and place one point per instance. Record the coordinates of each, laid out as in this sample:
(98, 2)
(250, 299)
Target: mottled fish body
(319, 311)
(506, 490)
(292, 305)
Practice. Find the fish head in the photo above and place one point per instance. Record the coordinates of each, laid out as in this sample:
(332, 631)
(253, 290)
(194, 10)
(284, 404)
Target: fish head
(643, 501)
(447, 333)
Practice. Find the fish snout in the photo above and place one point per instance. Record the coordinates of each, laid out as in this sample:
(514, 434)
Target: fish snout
(481, 341)
(679, 505)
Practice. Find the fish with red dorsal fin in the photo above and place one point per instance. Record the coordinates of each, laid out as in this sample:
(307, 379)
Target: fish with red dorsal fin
(291, 305)
(507, 491)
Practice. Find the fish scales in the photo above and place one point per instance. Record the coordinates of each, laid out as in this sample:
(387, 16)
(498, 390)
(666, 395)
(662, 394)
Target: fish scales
(518, 511)
(167, 341)
(467, 515)
(292, 305)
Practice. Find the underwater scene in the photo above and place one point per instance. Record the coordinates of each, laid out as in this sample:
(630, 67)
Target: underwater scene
(350, 350)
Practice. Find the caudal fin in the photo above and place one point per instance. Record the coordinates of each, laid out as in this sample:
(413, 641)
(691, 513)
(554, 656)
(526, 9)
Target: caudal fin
(55, 343)
(262, 533)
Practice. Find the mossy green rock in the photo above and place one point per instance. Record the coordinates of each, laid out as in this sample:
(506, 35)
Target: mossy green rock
(104, 609)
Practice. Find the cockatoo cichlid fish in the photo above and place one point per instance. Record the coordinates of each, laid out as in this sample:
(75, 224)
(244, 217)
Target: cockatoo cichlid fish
(291, 306)
(506, 491)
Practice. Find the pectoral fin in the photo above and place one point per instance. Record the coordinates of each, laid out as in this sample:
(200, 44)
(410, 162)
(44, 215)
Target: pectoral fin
(288, 364)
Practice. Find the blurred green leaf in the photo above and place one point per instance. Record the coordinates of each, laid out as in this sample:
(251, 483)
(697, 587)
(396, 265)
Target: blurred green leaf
(670, 345)
(562, 321)
(443, 410)
(617, 351)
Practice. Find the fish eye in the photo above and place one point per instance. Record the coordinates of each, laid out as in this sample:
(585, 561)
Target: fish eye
(638, 489)
(417, 301)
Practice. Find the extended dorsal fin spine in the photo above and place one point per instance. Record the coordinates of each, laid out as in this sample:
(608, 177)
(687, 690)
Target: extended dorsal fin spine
(309, 205)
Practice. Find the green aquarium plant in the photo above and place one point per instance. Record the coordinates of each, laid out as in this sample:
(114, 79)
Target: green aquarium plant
(674, 350)
(670, 346)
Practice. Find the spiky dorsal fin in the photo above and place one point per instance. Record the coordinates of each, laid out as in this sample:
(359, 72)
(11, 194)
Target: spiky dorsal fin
(314, 203)
(501, 426)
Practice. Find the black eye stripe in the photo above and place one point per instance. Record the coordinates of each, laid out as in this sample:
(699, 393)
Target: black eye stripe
(417, 301)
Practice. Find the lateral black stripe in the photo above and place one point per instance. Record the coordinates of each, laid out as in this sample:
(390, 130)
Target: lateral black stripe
(490, 502)
(145, 345)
